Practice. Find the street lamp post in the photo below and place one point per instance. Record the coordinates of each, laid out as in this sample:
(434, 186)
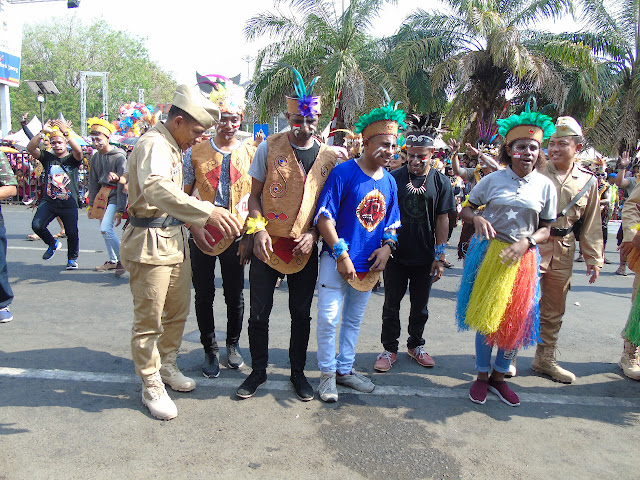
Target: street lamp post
(42, 89)
(42, 101)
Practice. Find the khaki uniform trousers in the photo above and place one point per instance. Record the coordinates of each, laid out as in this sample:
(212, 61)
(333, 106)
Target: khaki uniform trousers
(555, 283)
(161, 301)
(555, 286)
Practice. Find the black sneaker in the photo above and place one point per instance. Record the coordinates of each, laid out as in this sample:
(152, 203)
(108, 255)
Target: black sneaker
(255, 379)
(211, 365)
(301, 386)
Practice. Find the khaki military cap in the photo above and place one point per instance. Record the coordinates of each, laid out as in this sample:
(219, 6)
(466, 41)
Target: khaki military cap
(567, 127)
(195, 104)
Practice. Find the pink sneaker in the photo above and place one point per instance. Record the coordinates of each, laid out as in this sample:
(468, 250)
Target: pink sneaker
(504, 393)
(384, 361)
(420, 356)
(478, 392)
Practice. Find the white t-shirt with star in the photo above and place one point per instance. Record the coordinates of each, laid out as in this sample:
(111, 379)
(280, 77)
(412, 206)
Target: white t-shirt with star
(515, 205)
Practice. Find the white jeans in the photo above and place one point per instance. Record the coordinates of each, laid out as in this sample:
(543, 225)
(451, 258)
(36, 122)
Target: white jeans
(334, 293)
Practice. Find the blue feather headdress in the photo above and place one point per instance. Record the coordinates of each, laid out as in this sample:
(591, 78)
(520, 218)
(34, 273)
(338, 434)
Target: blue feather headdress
(305, 103)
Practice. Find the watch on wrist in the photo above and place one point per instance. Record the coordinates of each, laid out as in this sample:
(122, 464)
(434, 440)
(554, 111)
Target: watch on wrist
(532, 241)
(392, 245)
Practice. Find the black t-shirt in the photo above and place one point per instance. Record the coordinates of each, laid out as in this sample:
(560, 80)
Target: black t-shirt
(307, 156)
(418, 213)
(61, 178)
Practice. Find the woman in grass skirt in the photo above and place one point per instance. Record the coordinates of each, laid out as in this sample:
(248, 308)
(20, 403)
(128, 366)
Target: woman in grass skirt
(500, 291)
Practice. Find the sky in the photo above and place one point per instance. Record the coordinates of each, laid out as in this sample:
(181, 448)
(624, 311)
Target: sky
(212, 39)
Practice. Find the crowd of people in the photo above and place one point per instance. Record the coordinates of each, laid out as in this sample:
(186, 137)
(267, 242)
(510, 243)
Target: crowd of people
(384, 206)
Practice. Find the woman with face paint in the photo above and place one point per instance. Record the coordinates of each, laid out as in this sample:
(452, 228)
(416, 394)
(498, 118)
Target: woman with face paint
(500, 292)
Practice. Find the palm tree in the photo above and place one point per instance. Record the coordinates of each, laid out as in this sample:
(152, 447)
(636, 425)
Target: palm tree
(485, 50)
(317, 38)
(614, 37)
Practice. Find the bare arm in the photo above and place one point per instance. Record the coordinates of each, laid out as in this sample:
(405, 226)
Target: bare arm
(7, 191)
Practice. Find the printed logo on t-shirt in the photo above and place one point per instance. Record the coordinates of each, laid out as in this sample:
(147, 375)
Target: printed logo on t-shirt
(371, 210)
(58, 183)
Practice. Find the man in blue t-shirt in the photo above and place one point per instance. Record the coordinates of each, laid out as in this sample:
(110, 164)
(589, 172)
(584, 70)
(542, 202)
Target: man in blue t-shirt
(60, 196)
(357, 215)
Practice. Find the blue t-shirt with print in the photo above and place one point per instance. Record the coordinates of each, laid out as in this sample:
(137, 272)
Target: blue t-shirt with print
(361, 208)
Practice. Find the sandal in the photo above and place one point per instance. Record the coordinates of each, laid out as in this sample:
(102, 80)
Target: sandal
(60, 235)
(33, 237)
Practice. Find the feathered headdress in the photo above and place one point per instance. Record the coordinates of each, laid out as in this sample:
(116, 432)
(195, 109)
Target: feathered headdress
(304, 103)
(419, 132)
(528, 124)
(228, 96)
(386, 120)
(100, 125)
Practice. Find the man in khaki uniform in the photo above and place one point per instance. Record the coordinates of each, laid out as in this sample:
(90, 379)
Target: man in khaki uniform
(557, 253)
(154, 248)
(629, 362)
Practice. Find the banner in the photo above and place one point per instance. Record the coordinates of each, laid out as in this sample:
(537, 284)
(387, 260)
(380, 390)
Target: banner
(10, 46)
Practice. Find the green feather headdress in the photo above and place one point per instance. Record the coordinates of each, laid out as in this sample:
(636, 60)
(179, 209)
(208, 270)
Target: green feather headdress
(307, 105)
(378, 114)
(527, 118)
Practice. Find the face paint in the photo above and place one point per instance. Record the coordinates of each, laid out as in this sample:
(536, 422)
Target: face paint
(378, 152)
(296, 130)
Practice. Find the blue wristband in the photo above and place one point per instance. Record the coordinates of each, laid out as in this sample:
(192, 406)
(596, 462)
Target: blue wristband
(340, 247)
(390, 236)
(440, 249)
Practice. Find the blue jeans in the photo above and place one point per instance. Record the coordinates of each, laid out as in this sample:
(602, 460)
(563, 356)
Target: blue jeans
(483, 356)
(67, 210)
(6, 294)
(334, 293)
(110, 238)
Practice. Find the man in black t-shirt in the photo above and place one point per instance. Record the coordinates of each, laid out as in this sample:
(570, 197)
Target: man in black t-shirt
(425, 198)
(60, 196)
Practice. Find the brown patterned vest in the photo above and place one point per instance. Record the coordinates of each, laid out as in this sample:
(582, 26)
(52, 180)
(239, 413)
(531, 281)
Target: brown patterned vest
(289, 198)
(207, 164)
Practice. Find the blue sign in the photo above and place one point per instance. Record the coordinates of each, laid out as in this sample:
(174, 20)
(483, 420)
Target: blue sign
(260, 127)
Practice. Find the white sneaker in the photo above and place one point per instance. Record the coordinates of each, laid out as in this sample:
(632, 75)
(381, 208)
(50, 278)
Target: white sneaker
(173, 377)
(327, 390)
(357, 381)
(156, 399)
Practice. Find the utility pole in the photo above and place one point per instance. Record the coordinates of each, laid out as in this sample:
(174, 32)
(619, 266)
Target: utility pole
(248, 59)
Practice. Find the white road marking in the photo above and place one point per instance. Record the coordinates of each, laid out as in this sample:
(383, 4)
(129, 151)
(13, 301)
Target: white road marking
(10, 247)
(279, 385)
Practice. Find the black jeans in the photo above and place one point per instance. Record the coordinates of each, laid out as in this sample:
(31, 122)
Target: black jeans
(6, 294)
(203, 278)
(262, 280)
(396, 277)
(68, 213)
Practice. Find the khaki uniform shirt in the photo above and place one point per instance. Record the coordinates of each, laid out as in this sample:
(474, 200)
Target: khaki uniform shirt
(561, 249)
(631, 214)
(155, 189)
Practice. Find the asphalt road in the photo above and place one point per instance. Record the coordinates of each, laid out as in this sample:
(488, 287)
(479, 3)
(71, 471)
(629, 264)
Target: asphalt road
(70, 402)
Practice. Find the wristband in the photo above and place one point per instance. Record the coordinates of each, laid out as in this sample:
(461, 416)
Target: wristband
(340, 247)
(389, 236)
(440, 249)
(257, 224)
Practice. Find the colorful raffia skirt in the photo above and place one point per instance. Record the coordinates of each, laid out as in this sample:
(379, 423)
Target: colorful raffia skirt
(500, 301)
(631, 330)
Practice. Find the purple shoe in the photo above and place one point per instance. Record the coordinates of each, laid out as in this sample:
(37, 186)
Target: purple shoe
(478, 392)
(504, 393)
